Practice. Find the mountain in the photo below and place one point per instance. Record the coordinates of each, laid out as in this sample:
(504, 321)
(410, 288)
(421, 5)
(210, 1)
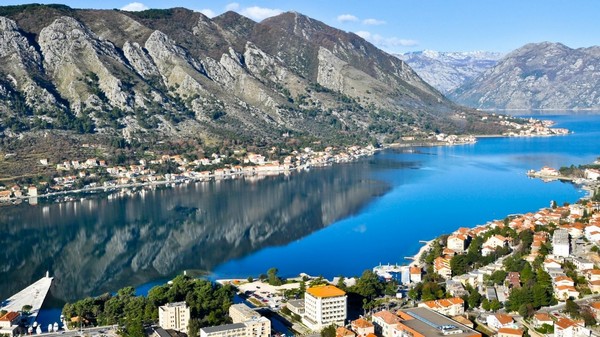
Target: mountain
(447, 71)
(174, 80)
(538, 76)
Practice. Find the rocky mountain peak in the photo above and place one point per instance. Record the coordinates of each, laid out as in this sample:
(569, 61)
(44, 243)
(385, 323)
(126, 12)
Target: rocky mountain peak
(542, 75)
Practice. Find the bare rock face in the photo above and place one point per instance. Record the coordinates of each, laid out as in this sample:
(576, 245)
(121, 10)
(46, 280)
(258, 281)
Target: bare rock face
(21, 63)
(178, 70)
(176, 73)
(140, 60)
(447, 71)
(78, 61)
(538, 76)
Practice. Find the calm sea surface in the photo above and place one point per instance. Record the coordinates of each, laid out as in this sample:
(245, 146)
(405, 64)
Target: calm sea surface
(331, 221)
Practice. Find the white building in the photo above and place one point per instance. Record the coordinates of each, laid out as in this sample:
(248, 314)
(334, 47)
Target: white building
(448, 306)
(174, 316)
(324, 305)
(246, 323)
(560, 243)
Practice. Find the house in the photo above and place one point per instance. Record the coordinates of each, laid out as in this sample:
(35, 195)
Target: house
(498, 321)
(415, 274)
(563, 293)
(496, 241)
(566, 327)
(540, 319)
(590, 230)
(343, 332)
(510, 332)
(9, 323)
(592, 274)
(448, 307)
(296, 306)
(32, 191)
(591, 174)
(563, 281)
(595, 308)
(582, 264)
(549, 171)
(442, 267)
(594, 286)
(551, 264)
(5, 195)
(457, 242)
(384, 322)
(513, 279)
(362, 327)
(560, 243)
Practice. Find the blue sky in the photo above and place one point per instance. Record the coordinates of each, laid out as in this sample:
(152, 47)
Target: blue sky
(408, 25)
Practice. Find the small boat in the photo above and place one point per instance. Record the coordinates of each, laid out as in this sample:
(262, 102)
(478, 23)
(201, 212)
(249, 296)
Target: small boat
(30, 330)
(35, 325)
(50, 327)
(55, 327)
(38, 330)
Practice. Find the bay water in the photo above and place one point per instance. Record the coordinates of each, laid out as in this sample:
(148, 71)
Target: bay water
(332, 221)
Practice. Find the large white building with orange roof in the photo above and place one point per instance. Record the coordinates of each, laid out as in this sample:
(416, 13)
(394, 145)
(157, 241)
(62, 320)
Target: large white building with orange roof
(324, 305)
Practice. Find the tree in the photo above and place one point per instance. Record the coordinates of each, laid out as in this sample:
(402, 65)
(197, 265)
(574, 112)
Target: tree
(272, 277)
(194, 327)
(328, 331)
(474, 299)
(498, 277)
(495, 305)
(572, 308)
(368, 285)
(341, 283)
(459, 265)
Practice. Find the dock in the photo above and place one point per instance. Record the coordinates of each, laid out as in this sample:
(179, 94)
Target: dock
(34, 295)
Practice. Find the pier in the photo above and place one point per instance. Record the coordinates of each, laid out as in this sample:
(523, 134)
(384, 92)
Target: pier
(34, 295)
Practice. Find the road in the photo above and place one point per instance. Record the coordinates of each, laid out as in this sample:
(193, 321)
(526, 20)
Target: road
(110, 330)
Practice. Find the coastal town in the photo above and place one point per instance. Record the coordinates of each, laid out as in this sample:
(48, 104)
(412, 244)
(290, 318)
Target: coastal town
(77, 175)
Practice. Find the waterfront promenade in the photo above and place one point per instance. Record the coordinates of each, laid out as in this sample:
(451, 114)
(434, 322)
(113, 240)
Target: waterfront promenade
(33, 296)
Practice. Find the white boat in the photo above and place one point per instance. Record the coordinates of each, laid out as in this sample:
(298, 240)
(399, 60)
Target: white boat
(30, 330)
(55, 327)
(35, 325)
(50, 327)
(38, 330)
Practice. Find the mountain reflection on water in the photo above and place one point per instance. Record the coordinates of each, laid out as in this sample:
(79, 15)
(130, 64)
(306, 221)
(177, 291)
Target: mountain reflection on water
(100, 244)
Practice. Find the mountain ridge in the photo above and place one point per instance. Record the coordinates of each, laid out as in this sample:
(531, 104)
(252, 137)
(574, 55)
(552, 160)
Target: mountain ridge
(177, 76)
(544, 76)
(447, 71)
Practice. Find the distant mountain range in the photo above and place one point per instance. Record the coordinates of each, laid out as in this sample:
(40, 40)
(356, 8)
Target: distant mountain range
(537, 76)
(446, 71)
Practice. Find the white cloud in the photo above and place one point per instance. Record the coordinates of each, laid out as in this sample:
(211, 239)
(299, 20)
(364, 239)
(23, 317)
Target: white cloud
(208, 12)
(232, 6)
(347, 18)
(373, 22)
(386, 43)
(260, 13)
(364, 34)
(134, 7)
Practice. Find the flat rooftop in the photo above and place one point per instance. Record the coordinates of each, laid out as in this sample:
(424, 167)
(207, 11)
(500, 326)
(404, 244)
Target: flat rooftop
(430, 323)
(212, 329)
